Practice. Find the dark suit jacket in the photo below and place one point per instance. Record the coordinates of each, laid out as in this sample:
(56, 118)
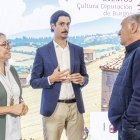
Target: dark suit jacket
(44, 64)
(124, 105)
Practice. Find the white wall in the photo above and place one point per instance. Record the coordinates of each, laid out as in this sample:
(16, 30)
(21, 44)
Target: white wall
(99, 127)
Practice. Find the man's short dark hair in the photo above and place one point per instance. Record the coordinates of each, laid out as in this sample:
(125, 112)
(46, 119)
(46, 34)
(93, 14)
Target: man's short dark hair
(56, 15)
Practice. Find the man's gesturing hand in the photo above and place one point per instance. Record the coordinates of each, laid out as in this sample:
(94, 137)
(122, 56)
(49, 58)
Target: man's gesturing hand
(77, 78)
(58, 76)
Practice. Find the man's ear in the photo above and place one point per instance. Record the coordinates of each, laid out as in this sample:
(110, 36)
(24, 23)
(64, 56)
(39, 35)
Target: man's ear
(52, 26)
(134, 27)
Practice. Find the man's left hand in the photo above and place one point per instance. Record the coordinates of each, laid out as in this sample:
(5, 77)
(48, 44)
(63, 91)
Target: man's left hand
(77, 78)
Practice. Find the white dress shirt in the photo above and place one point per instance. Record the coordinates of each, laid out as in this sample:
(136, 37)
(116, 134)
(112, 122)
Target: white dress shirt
(13, 127)
(63, 58)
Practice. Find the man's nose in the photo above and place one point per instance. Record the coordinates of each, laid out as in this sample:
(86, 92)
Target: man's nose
(8, 46)
(66, 27)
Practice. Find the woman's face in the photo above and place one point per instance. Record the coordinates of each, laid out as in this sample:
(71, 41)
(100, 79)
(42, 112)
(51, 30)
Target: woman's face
(4, 49)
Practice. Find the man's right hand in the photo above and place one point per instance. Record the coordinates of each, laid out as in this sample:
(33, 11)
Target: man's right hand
(112, 129)
(59, 76)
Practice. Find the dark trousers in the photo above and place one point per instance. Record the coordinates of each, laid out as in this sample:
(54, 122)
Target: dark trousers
(129, 134)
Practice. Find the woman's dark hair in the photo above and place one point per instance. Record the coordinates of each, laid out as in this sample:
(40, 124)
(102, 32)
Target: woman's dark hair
(56, 15)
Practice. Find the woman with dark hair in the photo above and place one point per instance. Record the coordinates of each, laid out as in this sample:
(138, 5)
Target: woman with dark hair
(11, 102)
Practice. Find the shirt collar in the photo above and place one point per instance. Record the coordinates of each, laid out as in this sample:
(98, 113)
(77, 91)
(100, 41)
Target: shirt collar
(132, 46)
(7, 67)
(57, 45)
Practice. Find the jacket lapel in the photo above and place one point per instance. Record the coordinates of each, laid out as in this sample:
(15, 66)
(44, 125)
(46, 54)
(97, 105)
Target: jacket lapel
(53, 54)
(71, 57)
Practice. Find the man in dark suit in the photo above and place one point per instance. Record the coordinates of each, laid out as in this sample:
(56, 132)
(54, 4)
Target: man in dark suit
(59, 69)
(124, 105)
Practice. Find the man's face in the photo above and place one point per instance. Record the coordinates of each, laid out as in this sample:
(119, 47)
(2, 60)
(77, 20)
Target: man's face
(124, 33)
(61, 28)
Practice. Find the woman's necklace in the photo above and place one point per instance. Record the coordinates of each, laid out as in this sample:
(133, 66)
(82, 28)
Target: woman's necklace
(11, 90)
(11, 101)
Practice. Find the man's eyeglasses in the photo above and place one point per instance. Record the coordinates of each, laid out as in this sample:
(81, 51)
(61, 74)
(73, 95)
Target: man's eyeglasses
(5, 44)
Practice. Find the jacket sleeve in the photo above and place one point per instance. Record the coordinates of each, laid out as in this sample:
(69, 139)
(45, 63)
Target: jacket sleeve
(83, 70)
(132, 115)
(38, 80)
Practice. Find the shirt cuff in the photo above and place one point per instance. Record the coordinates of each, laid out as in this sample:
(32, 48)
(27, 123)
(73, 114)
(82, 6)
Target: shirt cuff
(49, 81)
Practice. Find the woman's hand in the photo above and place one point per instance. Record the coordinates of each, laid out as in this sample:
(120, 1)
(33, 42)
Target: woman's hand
(25, 110)
(19, 109)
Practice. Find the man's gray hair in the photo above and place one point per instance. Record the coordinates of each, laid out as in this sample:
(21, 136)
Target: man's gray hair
(2, 34)
(134, 18)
